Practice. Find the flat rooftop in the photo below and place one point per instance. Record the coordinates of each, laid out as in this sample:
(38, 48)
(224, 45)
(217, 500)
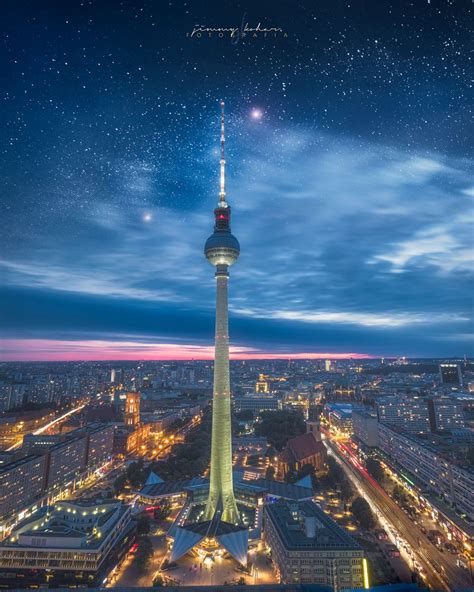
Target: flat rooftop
(289, 520)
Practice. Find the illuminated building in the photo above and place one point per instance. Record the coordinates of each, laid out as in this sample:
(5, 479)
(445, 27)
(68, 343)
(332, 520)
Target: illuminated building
(127, 440)
(299, 451)
(328, 365)
(261, 386)
(436, 473)
(71, 542)
(308, 547)
(15, 425)
(450, 374)
(257, 403)
(53, 463)
(132, 409)
(339, 416)
(222, 250)
(446, 413)
(219, 523)
(365, 428)
(344, 391)
(21, 483)
(66, 462)
(408, 412)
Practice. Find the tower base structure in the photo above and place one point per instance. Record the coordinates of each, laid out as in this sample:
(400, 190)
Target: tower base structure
(210, 535)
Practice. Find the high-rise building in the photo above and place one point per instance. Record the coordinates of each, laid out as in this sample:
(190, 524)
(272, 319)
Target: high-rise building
(450, 374)
(222, 250)
(408, 412)
(446, 413)
(365, 428)
(261, 386)
(217, 520)
(437, 473)
(66, 462)
(132, 409)
(21, 483)
(310, 548)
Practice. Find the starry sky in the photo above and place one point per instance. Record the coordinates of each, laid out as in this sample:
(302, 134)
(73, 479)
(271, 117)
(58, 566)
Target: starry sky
(349, 171)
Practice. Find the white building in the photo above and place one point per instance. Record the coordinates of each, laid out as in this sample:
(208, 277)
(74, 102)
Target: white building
(71, 539)
(409, 412)
(308, 547)
(365, 427)
(437, 474)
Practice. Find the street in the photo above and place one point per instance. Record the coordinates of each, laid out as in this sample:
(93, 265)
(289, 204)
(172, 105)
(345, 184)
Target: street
(438, 569)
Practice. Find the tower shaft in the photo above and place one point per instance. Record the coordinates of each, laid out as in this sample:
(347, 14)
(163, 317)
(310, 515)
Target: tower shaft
(221, 490)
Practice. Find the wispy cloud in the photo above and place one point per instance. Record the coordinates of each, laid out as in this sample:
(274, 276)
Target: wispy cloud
(334, 232)
(385, 321)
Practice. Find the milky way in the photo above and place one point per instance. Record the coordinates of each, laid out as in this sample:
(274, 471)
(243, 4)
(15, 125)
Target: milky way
(349, 173)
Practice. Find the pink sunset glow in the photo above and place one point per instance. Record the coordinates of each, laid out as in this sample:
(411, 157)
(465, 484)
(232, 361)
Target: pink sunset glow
(49, 350)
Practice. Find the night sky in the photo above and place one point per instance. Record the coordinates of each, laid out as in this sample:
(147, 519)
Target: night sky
(349, 169)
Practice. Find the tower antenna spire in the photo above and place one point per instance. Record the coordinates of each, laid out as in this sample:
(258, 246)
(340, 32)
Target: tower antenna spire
(222, 201)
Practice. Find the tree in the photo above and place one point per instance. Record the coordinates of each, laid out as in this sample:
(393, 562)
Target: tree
(335, 475)
(143, 525)
(244, 415)
(307, 470)
(144, 552)
(362, 513)
(136, 474)
(163, 511)
(279, 426)
(120, 483)
(346, 490)
(374, 468)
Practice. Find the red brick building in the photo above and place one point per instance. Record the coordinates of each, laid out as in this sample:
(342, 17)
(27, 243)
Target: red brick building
(302, 450)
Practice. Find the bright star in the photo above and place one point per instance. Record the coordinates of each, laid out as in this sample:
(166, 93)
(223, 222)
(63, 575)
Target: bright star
(147, 217)
(256, 113)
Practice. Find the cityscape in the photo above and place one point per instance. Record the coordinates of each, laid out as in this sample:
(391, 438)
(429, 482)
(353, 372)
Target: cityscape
(217, 373)
(346, 474)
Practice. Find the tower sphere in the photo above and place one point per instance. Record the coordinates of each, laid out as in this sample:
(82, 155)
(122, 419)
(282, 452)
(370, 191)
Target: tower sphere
(222, 248)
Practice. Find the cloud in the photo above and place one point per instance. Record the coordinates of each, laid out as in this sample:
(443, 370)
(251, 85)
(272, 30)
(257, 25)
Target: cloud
(444, 247)
(334, 233)
(386, 321)
(63, 350)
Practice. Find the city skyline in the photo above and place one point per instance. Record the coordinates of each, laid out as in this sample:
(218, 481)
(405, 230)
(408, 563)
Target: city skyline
(350, 160)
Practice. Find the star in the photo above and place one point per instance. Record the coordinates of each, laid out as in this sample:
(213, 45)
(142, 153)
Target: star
(147, 217)
(256, 114)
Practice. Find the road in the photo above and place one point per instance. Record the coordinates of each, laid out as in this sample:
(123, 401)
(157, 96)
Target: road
(439, 573)
(49, 425)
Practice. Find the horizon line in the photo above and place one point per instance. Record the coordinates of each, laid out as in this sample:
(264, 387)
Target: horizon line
(103, 350)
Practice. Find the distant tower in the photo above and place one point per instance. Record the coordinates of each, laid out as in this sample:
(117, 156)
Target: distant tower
(132, 409)
(451, 374)
(261, 386)
(222, 250)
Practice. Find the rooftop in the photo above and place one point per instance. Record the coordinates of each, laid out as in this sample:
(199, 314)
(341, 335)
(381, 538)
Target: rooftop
(301, 447)
(290, 520)
(5, 468)
(79, 524)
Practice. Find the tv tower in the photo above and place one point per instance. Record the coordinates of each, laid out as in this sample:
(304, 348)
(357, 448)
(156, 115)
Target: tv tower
(222, 250)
